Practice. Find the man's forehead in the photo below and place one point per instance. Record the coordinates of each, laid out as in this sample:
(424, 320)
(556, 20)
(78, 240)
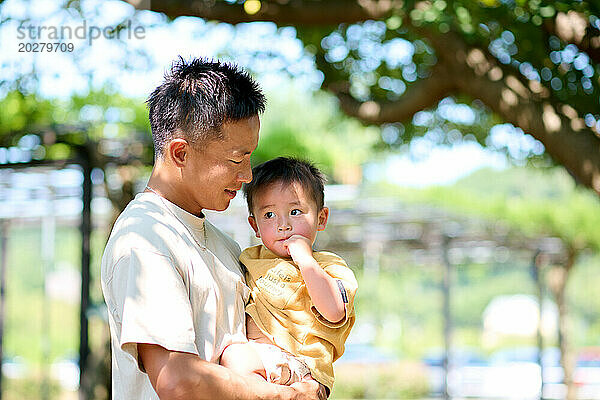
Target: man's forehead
(240, 136)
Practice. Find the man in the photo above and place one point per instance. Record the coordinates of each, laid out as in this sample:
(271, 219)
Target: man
(171, 281)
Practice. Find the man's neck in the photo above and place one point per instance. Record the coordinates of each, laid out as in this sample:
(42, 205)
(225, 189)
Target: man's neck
(166, 185)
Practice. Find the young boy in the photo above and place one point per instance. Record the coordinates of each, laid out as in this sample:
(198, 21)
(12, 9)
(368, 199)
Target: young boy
(301, 302)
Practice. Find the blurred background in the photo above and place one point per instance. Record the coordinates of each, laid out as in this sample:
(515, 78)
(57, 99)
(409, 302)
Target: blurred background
(461, 144)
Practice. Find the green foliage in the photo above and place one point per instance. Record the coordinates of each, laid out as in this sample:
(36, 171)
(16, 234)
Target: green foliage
(107, 107)
(311, 126)
(97, 115)
(19, 112)
(406, 303)
(583, 301)
(474, 286)
(530, 203)
(25, 302)
(535, 202)
(381, 59)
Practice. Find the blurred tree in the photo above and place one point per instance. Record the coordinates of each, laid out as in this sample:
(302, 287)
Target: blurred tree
(315, 129)
(112, 129)
(533, 63)
(538, 204)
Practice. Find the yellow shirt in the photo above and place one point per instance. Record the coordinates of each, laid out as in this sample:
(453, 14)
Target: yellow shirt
(281, 307)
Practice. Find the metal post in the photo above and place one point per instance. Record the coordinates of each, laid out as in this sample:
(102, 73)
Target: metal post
(447, 282)
(86, 230)
(48, 240)
(3, 266)
(536, 273)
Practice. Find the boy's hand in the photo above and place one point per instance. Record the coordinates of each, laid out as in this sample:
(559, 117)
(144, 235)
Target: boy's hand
(299, 248)
(310, 390)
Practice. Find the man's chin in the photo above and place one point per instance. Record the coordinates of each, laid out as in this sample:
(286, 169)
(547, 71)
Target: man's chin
(220, 207)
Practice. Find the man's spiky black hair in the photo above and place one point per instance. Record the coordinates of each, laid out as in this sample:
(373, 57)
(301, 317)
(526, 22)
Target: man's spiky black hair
(197, 97)
(287, 170)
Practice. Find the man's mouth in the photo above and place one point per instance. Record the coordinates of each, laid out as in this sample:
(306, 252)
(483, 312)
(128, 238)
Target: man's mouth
(231, 193)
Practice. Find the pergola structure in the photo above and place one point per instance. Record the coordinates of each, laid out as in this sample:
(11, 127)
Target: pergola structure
(436, 237)
(85, 228)
(85, 154)
(370, 226)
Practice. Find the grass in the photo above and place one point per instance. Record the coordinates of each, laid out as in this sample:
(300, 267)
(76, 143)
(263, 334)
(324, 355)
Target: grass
(37, 328)
(400, 380)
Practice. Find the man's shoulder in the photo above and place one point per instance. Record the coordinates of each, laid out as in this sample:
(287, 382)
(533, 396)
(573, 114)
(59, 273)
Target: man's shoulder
(142, 224)
(143, 206)
(230, 244)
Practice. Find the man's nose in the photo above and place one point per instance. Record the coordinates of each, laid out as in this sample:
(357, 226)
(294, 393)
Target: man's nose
(245, 175)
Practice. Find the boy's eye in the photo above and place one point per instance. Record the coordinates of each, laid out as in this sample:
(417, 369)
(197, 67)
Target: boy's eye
(296, 212)
(236, 162)
(269, 214)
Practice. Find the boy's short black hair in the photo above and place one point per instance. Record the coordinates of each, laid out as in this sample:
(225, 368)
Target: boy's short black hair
(197, 97)
(287, 170)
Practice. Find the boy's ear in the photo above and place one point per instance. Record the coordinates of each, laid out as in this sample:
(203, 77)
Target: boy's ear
(323, 216)
(254, 226)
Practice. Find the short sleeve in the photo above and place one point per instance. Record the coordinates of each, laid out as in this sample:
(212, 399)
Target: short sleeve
(348, 286)
(155, 304)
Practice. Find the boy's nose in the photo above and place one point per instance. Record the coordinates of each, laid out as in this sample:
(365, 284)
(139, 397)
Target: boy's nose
(283, 225)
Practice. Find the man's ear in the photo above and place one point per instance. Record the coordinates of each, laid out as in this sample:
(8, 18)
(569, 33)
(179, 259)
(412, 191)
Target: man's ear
(323, 216)
(254, 226)
(177, 151)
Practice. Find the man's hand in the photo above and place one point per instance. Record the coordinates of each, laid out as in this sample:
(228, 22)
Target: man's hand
(310, 390)
(299, 248)
(176, 376)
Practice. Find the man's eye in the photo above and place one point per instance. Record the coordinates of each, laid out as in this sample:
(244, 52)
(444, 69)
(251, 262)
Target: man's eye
(236, 162)
(269, 214)
(296, 212)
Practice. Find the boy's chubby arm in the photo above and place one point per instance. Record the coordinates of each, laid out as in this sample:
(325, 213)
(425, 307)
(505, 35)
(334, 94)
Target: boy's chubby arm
(322, 288)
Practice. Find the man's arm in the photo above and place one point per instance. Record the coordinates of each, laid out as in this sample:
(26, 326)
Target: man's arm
(322, 287)
(176, 376)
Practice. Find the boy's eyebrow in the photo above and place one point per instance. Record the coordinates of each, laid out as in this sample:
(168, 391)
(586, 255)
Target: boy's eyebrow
(273, 205)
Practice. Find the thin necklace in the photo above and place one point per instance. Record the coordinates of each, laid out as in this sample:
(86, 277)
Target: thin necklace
(205, 236)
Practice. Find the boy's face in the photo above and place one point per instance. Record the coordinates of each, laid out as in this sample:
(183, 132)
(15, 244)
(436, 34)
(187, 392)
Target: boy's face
(282, 210)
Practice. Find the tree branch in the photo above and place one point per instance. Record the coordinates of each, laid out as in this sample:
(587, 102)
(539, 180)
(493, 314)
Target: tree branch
(423, 94)
(292, 12)
(527, 105)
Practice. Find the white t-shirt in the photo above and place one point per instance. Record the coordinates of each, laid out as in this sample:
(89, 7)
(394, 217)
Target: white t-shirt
(163, 286)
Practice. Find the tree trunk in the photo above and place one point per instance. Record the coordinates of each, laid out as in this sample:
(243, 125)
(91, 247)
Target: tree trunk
(558, 278)
(526, 104)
